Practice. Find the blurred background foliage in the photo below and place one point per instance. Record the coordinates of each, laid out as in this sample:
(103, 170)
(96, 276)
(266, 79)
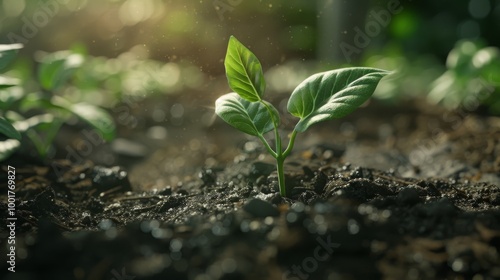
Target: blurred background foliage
(122, 49)
(174, 30)
(279, 30)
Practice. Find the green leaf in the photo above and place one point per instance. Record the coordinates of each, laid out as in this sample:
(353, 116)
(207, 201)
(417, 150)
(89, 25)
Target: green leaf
(97, 118)
(57, 68)
(37, 102)
(7, 129)
(6, 82)
(243, 71)
(8, 147)
(45, 123)
(332, 94)
(35, 121)
(8, 53)
(249, 117)
(487, 60)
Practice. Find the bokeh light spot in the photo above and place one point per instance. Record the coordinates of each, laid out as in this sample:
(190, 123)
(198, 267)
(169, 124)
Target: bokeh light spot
(479, 8)
(404, 25)
(135, 11)
(13, 8)
(468, 29)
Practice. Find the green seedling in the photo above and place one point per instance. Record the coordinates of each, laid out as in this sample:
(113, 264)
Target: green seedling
(7, 54)
(18, 105)
(323, 96)
(472, 78)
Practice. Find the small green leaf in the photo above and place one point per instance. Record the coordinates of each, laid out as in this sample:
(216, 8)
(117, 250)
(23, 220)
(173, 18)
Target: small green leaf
(243, 71)
(35, 121)
(487, 60)
(7, 129)
(8, 53)
(8, 147)
(249, 117)
(332, 94)
(6, 82)
(97, 118)
(57, 68)
(37, 102)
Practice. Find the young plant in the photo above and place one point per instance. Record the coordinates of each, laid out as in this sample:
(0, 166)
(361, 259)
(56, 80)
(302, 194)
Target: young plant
(472, 78)
(39, 115)
(7, 54)
(322, 96)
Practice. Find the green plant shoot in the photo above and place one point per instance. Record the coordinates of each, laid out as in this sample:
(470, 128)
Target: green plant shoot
(54, 73)
(323, 96)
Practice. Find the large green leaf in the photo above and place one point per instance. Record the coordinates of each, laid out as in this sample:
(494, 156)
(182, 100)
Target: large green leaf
(332, 94)
(8, 53)
(57, 68)
(243, 71)
(7, 129)
(250, 117)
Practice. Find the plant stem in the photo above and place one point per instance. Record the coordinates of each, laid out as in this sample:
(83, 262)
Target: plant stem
(290, 144)
(280, 157)
(281, 175)
(280, 162)
(278, 153)
(269, 149)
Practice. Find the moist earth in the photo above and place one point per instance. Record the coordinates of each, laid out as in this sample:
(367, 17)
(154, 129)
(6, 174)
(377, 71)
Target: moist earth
(401, 196)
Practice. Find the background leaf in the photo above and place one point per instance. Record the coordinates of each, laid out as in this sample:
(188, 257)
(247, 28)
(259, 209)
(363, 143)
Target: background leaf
(8, 147)
(250, 117)
(35, 121)
(8, 53)
(57, 68)
(97, 118)
(244, 71)
(6, 82)
(332, 94)
(7, 129)
(45, 123)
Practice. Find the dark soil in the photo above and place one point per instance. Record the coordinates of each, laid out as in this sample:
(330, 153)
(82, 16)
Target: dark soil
(404, 194)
